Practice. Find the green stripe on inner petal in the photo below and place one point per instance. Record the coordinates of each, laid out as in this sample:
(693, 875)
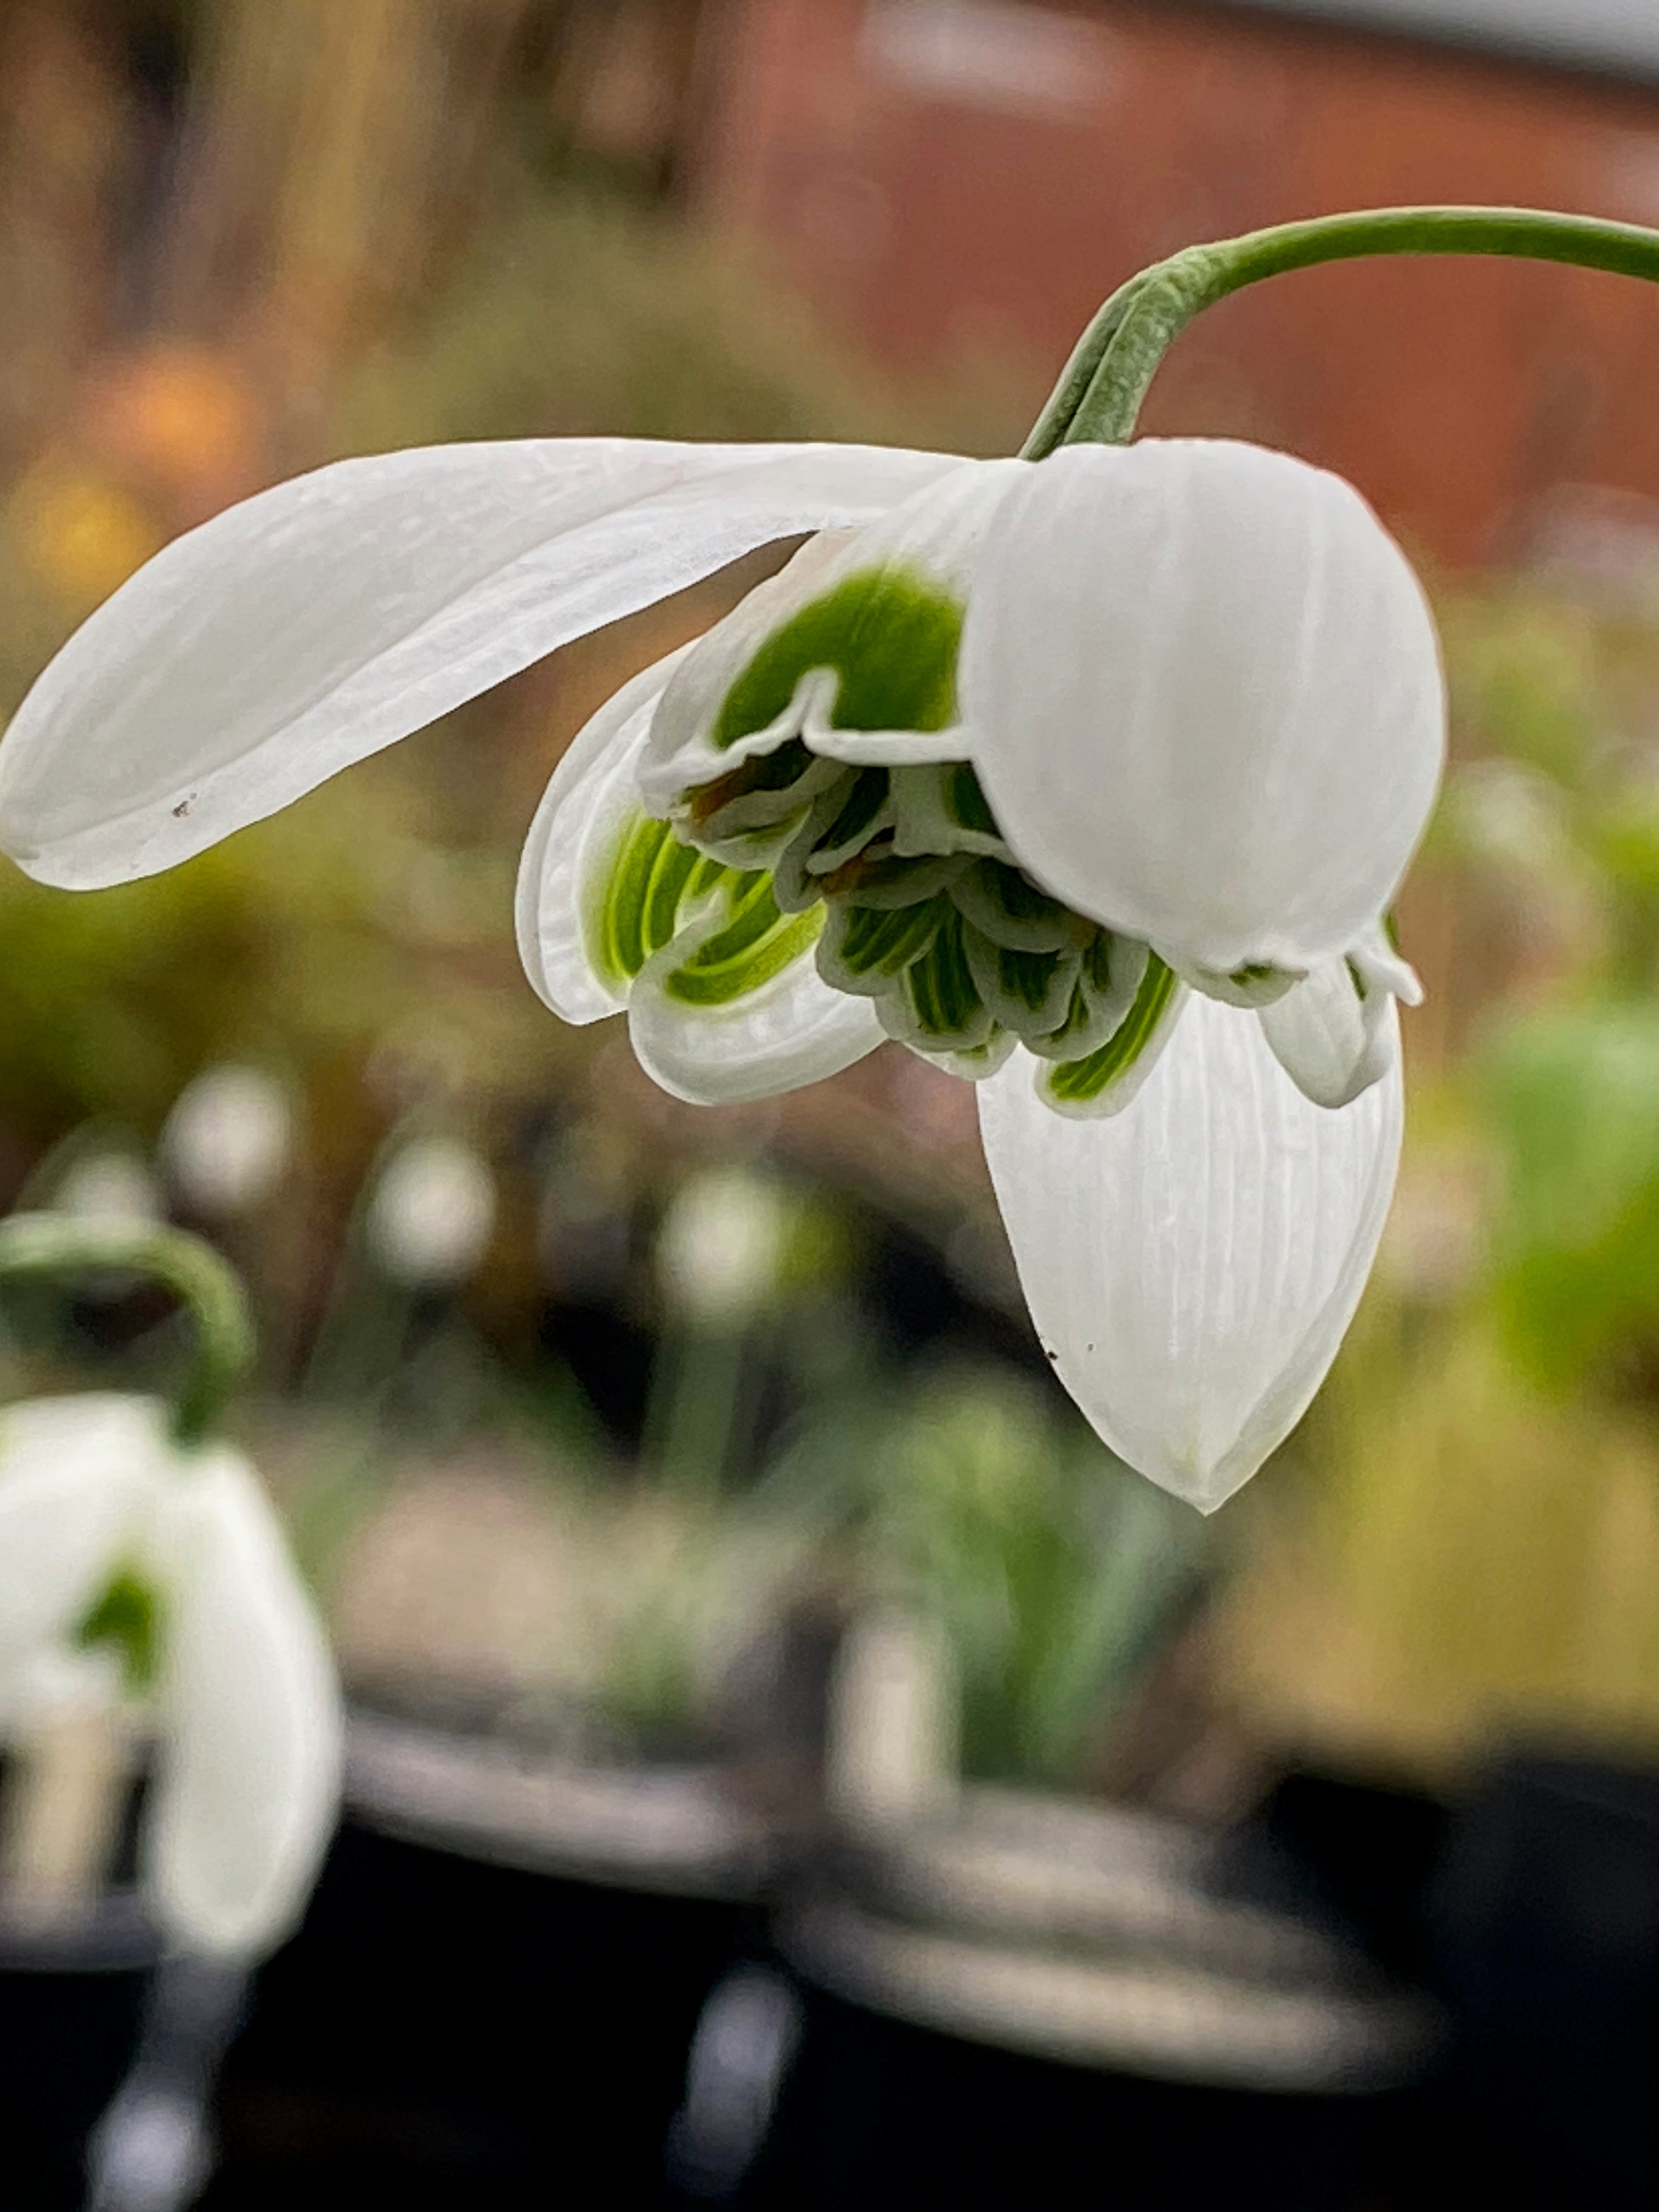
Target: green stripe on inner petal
(1077, 1082)
(944, 999)
(757, 944)
(864, 948)
(617, 922)
(672, 871)
(654, 884)
(965, 801)
(890, 636)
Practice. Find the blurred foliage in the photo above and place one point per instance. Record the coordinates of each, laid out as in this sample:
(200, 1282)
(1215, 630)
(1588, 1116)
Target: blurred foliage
(1051, 1570)
(587, 312)
(1463, 1538)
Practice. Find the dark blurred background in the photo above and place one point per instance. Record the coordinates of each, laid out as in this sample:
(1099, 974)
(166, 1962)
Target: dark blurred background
(792, 1757)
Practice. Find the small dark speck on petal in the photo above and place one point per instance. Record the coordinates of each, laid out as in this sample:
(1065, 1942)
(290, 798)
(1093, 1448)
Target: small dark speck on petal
(181, 810)
(1048, 1351)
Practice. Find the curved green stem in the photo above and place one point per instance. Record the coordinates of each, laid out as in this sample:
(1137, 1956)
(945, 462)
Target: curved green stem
(1101, 390)
(53, 1245)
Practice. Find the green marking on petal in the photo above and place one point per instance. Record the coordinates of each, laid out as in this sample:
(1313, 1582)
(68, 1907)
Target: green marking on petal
(758, 943)
(1027, 990)
(965, 801)
(1005, 905)
(874, 878)
(890, 637)
(126, 1616)
(617, 935)
(1075, 1082)
(653, 885)
(943, 999)
(775, 771)
(864, 948)
(855, 820)
(671, 871)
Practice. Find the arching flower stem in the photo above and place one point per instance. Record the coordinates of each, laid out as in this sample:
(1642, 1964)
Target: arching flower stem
(1098, 398)
(53, 1246)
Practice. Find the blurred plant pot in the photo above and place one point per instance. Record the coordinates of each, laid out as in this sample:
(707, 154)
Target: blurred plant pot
(1547, 1942)
(496, 1984)
(71, 1999)
(1024, 1995)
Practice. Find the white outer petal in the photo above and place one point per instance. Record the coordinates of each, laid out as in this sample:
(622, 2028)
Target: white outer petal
(1205, 697)
(310, 626)
(74, 1471)
(1192, 1265)
(248, 1789)
(591, 795)
(791, 1031)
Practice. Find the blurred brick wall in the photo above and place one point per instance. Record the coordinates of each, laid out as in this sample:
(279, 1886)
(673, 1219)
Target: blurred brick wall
(953, 178)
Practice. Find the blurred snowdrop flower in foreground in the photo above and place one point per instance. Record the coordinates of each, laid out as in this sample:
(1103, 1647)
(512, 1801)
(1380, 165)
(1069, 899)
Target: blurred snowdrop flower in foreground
(119, 1545)
(1090, 778)
(431, 1213)
(110, 1186)
(225, 1144)
(722, 1247)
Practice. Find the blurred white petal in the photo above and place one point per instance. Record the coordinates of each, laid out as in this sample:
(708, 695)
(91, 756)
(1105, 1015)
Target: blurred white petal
(432, 1212)
(1192, 1265)
(313, 624)
(1205, 697)
(248, 1788)
(225, 1143)
(73, 1470)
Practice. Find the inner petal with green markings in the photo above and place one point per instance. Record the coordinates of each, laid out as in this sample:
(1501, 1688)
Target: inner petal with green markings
(791, 854)
(811, 811)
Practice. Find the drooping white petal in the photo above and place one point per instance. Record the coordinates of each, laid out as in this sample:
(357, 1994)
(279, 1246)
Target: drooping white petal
(1334, 1035)
(932, 540)
(72, 1470)
(1205, 697)
(791, 1030)
(592, 796)
(313, 624)
(1331, 1042)
(248, 1787)
(1192, 1265)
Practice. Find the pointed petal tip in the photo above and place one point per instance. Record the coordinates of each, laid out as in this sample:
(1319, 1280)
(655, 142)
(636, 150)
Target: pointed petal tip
(1193, 1263)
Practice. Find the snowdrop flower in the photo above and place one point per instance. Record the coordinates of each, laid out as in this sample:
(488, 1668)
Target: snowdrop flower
(721, 1249)
(108, 1187)
(432, 1212)
(115, 1541)
(1084, 777)
(225, 1145)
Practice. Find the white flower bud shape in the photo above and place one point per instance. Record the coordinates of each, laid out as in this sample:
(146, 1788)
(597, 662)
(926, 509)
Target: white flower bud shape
(432, 1212)
(225, 1144)
(721, 1247)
